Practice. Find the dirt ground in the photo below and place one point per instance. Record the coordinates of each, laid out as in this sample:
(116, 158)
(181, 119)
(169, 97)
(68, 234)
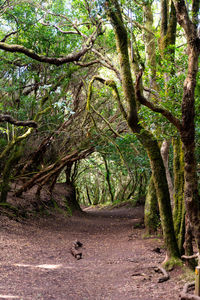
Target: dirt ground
(117, 263)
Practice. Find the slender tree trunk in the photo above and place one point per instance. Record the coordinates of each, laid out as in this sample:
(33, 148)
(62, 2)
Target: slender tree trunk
(70, 196)
(15, 155)
(179, 207)
(165, 156)
(108, 178)
(88, 195)
(150, 45)
(151, 212)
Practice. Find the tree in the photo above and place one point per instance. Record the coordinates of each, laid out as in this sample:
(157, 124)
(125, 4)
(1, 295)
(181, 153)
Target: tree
(186, 125)
(145, 137)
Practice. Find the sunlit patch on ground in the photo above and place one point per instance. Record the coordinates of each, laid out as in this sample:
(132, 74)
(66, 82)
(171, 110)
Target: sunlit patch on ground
(9, 297)
(43, 266)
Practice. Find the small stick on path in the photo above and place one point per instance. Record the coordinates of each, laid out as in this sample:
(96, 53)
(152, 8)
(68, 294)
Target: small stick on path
(75, 249)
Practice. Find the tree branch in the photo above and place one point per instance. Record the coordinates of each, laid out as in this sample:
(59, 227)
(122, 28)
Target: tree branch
(82, 64)
(11, 120)
(168, 115)
(113, 86)
(7, 35)
(184, 19)
(74, 56)
(191, 256)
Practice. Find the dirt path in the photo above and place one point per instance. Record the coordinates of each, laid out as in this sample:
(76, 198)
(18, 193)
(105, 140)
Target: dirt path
(117, 262)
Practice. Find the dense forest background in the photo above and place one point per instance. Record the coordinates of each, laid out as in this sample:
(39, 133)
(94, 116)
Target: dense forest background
(100, 97)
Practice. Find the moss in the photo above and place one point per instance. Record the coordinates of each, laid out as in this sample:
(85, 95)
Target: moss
(187, 275)
(151, 214)
(10, 163)
(171, 263)
(179, 207)
(146, 138)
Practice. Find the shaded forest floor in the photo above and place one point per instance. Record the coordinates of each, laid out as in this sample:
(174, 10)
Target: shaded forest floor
(117, 261)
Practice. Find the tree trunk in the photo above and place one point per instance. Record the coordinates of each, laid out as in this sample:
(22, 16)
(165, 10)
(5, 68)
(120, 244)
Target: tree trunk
(179, 207)
(151, 212)
(88, 195)
(108, 178)
(70, 196)
(145, 137)
(165, 156)
(15, 155)
(187, 130)
(162, 192)
(188, 245)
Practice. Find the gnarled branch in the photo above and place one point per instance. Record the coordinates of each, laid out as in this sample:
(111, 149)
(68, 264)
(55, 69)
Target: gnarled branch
(74, 56)
(11, 120)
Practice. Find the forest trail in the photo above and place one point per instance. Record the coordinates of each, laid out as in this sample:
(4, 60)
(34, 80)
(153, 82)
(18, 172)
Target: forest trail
(117, 261)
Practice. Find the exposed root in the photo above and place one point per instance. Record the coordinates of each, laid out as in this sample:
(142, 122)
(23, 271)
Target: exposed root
(184, 295)
(164, 272)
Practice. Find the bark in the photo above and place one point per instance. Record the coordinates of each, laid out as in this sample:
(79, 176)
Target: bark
(179, 207)
(75, 56)
(14, 157)
(165, 156)
(150, 46)
(188, 113)
(11, 120)
(36, 157)
(188, 245)
(70, 196)
(151, 212)
(187, 126)
(108, 178)
(88, 195)
(145, 137)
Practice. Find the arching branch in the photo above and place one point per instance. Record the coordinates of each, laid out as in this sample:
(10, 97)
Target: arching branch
(168, 115)
(74, 56)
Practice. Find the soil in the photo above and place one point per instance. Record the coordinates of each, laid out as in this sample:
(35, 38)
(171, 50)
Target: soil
(118, 262)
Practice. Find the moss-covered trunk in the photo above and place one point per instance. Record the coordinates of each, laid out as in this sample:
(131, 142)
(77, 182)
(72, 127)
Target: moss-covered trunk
(145, 137)
(151, 213)
(187, 131)
(162, 192)
(7, 171)
(179, 207)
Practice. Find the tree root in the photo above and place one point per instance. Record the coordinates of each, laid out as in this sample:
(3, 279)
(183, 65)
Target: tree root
(184, 295)
(164, 272)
